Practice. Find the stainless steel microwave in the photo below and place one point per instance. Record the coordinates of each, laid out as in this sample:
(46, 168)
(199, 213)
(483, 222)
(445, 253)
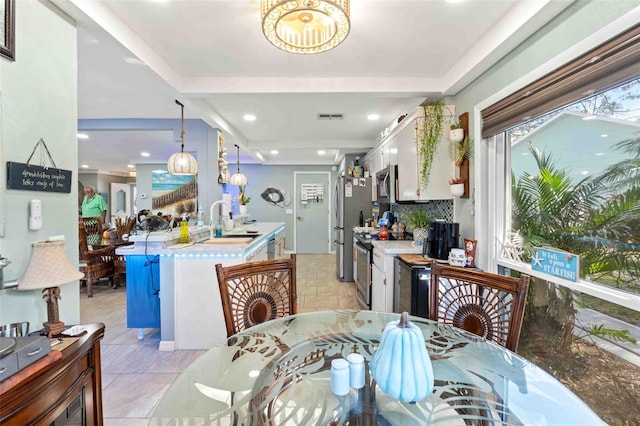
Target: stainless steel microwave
(386, 185)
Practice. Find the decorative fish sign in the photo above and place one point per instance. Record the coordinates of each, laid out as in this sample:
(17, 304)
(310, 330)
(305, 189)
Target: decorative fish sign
(276, 197)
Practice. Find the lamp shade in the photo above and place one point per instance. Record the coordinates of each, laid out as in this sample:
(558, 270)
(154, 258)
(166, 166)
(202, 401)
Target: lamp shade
(48, 267)
(309, 26)
(238, 179)
(182, 163)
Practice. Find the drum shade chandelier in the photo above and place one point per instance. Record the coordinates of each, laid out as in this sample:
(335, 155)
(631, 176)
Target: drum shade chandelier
(182, 163)
(305, 26)
(238, 179)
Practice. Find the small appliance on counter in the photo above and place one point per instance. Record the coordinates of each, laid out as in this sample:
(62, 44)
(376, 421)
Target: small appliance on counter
(441, 238)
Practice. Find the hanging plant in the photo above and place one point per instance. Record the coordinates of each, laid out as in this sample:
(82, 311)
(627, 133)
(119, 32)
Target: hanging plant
(428, 134)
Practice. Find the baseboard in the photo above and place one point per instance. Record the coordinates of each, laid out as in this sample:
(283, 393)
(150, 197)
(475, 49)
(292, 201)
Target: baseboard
(167, 346)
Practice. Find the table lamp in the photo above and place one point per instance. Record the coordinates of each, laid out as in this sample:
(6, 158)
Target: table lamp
(49, 268)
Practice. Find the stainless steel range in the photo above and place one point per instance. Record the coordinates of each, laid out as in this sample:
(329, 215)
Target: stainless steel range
(364, 260)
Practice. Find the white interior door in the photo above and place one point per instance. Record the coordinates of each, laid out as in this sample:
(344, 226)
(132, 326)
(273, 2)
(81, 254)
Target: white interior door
(120, 199)
(312, 212)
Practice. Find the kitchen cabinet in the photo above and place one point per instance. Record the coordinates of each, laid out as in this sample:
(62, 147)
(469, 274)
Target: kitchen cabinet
(442, 169)
(280, 246)
(259, 254)
(382, 282)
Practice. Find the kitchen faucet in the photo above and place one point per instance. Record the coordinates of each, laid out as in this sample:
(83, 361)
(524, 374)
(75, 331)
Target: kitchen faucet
(211, 223)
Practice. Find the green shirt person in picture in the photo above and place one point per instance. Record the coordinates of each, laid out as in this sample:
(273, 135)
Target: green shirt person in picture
(93, 204)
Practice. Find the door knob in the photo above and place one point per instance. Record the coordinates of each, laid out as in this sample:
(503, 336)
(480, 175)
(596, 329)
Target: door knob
(299, 218)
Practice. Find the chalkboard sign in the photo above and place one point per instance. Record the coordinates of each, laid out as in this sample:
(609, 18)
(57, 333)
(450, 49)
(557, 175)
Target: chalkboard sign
(30, 177)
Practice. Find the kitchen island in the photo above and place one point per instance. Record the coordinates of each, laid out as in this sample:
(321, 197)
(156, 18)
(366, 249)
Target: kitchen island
(174, 287)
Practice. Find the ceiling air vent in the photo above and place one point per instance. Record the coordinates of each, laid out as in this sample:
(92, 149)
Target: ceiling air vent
(321, 116)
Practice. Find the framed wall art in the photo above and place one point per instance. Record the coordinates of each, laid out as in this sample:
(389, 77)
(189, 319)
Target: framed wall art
(7, 37)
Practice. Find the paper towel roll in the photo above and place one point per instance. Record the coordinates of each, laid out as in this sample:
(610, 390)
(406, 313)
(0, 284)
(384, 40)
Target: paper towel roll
(226, 205)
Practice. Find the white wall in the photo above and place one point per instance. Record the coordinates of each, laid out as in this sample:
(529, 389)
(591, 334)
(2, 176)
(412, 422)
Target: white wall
(39, 100)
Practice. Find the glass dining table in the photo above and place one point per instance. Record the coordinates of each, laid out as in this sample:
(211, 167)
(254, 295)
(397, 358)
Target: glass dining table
(278, 373)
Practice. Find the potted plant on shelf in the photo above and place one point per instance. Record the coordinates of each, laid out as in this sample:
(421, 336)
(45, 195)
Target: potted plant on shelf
(456, 186)
(463, 151)
(243, 200)
(428, 133)
(419, 222)
(456, 134)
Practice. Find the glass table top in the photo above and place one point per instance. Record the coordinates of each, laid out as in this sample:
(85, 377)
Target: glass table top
(278, 373)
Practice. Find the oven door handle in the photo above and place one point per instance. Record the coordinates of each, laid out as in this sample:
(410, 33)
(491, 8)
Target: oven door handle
(361, 249)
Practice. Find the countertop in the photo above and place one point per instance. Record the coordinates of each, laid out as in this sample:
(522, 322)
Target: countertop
(390, 247)
(167, 243)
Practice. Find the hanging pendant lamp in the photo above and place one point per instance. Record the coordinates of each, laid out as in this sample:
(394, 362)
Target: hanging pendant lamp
(238, 179)
(182, 163)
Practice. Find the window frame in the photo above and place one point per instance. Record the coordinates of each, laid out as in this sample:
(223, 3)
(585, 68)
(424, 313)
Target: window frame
(493, 181)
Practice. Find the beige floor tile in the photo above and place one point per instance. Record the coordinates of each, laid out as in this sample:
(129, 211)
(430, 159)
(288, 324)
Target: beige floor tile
(107, 378)
(307, 291)
(127, 359)
(326, 302)
(173, 362)
(135, 395)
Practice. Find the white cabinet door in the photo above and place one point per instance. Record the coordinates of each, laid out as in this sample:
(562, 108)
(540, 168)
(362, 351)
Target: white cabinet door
(407, 163)
(378, 290)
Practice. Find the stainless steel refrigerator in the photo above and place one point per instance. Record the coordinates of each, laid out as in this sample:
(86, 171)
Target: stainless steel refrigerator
(352, 196)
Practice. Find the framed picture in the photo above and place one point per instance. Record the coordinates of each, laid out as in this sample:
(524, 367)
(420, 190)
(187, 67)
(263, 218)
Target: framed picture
(7, 38)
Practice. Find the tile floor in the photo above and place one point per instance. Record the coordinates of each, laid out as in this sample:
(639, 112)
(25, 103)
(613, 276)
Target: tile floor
(135, 374)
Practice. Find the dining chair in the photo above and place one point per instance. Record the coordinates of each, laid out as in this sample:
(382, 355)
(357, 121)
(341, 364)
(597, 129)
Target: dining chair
(487, 304)
(93, 228)
(255, 292)
(95, 263)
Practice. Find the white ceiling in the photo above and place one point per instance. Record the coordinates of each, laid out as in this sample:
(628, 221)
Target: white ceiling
(136, 56)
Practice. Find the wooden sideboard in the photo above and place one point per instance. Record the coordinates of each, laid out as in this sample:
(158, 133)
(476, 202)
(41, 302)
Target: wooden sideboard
(64, 384)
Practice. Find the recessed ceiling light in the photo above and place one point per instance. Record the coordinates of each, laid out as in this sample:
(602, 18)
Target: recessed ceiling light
(455, 1)
(133, 61)
(321, 152)
(274, 152)
(584, 172)
(131, 166)
(604, 135)
(145, 154)
(84, 166)
(82, 136)
(589, 117)
(599, 153)
(249, 117)
(373, 117)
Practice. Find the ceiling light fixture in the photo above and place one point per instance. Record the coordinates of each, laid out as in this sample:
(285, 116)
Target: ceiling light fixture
(249, 117)
(238, 179)
(373, 117)
(82, 136)
(307, 26)
(145, 154)
(274, 152)
(321, 152)
(182, 163)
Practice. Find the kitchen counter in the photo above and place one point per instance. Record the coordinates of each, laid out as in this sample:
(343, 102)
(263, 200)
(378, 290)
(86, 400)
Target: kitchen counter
(393, 247)
(173, 286)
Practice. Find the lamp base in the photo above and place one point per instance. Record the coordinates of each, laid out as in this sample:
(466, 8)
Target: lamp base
(53, 329)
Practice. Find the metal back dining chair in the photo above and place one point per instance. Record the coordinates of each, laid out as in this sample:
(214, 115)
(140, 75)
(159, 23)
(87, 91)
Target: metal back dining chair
(255, 292)
(487, 304)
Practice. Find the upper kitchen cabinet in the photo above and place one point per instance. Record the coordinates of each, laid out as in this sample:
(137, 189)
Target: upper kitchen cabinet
(400, 148)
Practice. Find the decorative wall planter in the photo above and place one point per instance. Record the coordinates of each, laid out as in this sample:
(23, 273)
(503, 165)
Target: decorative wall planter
(456, 135)
(457, 189)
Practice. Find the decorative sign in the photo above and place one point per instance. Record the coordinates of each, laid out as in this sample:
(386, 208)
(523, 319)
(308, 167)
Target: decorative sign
(555, 262)
(30, 177)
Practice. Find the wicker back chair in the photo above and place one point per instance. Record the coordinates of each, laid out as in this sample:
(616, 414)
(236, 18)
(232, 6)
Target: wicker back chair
(256, 292)
(96, 263)
(93, 229)
(487, 304)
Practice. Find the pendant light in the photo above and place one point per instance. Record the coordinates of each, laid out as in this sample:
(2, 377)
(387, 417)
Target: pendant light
(182, 163)
(238, 179)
